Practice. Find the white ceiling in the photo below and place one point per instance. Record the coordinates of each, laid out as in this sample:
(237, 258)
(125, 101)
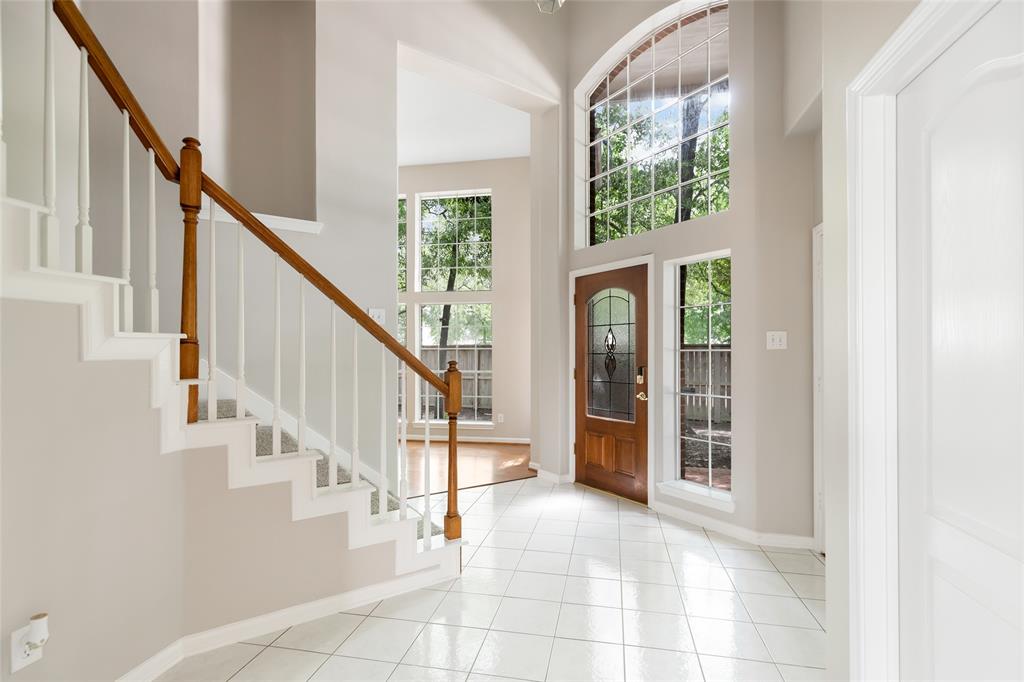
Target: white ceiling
(441, 123)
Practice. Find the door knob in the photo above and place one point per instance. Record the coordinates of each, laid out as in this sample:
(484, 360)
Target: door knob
(641, 396)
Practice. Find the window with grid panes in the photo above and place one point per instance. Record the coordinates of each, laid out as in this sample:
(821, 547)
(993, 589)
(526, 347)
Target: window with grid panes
(658, 127)
(455, 242)
(461, 332)
(705, 373)
(403, 244)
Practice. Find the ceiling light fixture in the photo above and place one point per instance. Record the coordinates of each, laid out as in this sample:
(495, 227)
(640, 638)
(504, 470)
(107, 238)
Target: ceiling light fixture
(549, 6)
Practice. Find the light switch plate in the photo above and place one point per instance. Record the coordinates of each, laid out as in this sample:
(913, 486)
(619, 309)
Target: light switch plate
(19, 661)
(776, 341)
(377, 315)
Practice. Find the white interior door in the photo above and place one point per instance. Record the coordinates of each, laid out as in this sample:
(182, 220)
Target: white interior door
(960, 240)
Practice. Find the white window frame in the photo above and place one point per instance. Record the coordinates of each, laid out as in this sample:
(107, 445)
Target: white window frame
(673, 485)
(414, 297)
(581, 108)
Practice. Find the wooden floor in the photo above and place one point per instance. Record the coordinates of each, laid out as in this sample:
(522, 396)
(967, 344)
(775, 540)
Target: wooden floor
(479, 464)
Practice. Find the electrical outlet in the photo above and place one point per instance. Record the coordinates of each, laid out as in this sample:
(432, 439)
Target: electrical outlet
(501, 418)
(776, 341)
(377, 315)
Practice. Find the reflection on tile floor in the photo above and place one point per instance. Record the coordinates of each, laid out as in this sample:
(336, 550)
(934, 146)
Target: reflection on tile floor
(562, 582)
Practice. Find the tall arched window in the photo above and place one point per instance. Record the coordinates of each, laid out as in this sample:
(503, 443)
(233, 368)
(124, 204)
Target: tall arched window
(658, 129)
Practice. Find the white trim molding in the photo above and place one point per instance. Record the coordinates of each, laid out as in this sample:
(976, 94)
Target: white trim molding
(732, 530)
(871, 143)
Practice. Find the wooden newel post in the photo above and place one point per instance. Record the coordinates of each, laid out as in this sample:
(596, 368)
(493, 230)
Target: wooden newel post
(191, 196)
(453, 405)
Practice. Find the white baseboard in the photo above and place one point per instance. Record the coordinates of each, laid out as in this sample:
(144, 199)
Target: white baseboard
(732, 530)
(201, 642)
(550, 477)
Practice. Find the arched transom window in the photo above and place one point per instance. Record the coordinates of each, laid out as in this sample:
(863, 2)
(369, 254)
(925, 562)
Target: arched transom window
(659, 130)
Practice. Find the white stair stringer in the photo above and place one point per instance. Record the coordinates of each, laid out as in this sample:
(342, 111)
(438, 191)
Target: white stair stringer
(97, 297)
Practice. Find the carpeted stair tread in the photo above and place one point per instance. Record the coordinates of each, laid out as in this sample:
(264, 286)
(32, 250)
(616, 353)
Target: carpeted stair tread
(227, 409)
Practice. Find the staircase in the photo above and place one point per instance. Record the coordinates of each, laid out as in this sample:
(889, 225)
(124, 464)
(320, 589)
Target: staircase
(322, 482)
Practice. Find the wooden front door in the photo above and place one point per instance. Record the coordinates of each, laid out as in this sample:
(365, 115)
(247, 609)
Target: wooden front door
(611, 381)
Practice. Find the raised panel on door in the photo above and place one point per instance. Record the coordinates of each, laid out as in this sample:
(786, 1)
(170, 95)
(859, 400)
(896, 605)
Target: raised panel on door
(961, 357)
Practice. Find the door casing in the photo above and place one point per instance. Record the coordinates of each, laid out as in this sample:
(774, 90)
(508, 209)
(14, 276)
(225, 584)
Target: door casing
(871, 185)
(655, 390)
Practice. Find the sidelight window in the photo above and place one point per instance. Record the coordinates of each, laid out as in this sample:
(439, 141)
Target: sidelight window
(705, 372)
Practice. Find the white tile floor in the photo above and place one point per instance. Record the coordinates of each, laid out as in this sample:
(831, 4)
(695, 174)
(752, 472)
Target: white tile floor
(565, 583)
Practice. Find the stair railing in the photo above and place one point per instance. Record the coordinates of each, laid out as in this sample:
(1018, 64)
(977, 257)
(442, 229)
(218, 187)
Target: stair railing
(194, 184)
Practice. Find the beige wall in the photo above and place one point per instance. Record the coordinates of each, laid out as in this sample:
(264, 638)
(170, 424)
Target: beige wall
(802, 50)
(256, 102)
(852, 32)
(509, 182)
(126, 548)
(768, 231)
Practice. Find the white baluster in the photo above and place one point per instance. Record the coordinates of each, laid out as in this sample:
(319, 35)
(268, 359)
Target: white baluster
(277, 356)
(127, 296)
(83, 230)
(211, 390)
(425, 392)
(355, 404)
(240, 382)
(332, 455)
(50, 228)
(382, 489)
(302, 366)
(154, 295)
(403, 453)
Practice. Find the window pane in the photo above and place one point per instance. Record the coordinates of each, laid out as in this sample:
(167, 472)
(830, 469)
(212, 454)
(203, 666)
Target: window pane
(640, 216)
(695, 284)
(721, 370)
(695, 461)
(618, 222)
(693, 70)
(456, 252)
(641, 60)
(693, 200)
(721, 420)
(618, 186)
(694, 369)
(598, 229)
(617, 149)
(666, 45)
(666, 126)
(693, 155)
(721, 280)
(641, 140)
(617, 76)
(721, 324)
(483, 206)
(719, 18)
(719, 56)
(695, 113)
(618, 110)
(693, 30)
(600, 92)
(694, 413)
(598, 122)
(695, 327)
(640, 178)
(666, 208)
(611, 316)
(720, 102)
(720, 193)
(666, 86)
(598, 158)
(641, 98)
(598, 195)
(720, 149)
(721, 466)
(666, 169)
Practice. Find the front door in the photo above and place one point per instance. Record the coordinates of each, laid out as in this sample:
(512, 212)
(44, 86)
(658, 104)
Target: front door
(612, 382)
(960, 246)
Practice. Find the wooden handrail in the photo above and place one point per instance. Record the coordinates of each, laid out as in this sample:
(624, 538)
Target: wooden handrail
(318, 280)
(80, 31)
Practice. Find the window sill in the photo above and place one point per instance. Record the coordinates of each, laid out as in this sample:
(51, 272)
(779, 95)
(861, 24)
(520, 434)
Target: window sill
(698, 494)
